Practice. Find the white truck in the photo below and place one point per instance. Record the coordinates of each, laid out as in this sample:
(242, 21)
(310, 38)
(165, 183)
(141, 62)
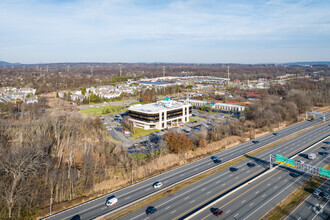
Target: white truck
(312, 156)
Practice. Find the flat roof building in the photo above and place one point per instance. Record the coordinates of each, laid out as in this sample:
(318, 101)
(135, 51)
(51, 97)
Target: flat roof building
(160, 115)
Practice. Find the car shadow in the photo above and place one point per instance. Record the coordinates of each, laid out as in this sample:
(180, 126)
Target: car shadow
(260, 162)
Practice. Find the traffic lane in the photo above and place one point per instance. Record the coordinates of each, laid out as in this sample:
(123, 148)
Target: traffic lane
(311, 206)
(261, 192)
(229, 176)
(101, 200)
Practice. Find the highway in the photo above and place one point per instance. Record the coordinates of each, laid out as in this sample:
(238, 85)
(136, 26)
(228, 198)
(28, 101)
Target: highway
(258, 197)
(126, 196)
(185, 202)
(312, 207)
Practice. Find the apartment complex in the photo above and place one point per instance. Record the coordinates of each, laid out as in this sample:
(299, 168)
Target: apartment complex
(160, 115)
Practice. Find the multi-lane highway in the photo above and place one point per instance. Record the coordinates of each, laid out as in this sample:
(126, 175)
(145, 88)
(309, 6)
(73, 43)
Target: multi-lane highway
(128, 195)
(312, 207)
(188, 201)
(257, 198)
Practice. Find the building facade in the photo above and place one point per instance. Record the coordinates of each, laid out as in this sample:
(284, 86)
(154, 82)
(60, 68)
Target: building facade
(160, 115)
(220, 105)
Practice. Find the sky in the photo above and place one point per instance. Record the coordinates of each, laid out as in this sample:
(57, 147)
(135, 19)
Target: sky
(187, 31)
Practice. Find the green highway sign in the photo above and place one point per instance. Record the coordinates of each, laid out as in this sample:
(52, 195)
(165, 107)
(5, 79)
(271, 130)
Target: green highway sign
(324, 172)
(290, 162)
(280, 159)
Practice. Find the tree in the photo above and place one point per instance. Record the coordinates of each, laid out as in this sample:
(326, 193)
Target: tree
(202, 143)
(178, 142)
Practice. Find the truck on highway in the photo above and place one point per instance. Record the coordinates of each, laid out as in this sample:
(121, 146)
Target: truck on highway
(311, 156)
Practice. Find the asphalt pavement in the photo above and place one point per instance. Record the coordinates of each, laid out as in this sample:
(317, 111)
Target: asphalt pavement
(134, 193)
(185, 202)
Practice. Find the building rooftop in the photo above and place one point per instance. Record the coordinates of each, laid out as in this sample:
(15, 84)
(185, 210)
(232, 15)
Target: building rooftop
(158, 106)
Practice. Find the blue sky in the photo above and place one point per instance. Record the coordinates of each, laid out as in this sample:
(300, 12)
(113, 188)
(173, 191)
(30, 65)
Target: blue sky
(201, 31)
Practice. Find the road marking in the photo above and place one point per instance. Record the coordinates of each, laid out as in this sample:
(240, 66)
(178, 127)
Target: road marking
(263, 195)
(310, 207)
(173, 211)
(275, 187)
(196, 168)
(147, 189)
(228, 211)
(236, 177)
(146, 218)
(217, 181)
(243, 201)
(231, 175)
(192, 201)
(182, 174)
(223, 184)
(186, 198)
(256, 192)
(208, 192)
(248, 171)
(299, 218)
(251, 204)
(137, 216)
(279, 177)
(165, 181)
(203, 189)
(268, 184)
(127, 197)
(168, 207)
(236, 215)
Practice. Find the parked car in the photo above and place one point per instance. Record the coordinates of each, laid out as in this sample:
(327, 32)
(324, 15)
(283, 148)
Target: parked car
(111, 201)
(324, 195)
(157, 185)
(217, 212)
(150, 210)
(251, 165)
(316, 192)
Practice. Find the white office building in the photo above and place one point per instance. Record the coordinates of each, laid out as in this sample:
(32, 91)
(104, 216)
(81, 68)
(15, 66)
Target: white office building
(160, 115)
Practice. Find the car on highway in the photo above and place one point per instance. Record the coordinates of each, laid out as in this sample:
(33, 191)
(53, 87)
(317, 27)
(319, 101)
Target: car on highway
(316, 192)
(150, 210)
(275, 133)
(214, 157)
(111, 201)
(301, 161)
(326, 142)
(325, 153)
(217, 160)
(324, 195)
(157, 185)
(217, 212)
(233, 169)
(251, 165)
(325, 148)
(255, 142)
(294, 175)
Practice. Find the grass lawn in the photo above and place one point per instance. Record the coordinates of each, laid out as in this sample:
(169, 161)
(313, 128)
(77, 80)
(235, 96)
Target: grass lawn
(104, 110)
(139, 132)
(134, 103)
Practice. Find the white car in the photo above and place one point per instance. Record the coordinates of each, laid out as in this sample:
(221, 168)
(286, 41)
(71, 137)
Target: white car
(157, 185)
(111, 201)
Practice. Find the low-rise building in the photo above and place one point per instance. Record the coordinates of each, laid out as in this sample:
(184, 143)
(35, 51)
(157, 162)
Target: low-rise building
(160, 115)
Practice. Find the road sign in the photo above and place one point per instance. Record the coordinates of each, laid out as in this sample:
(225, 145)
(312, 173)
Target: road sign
(324, 172)
(290, 162)
(280, 159)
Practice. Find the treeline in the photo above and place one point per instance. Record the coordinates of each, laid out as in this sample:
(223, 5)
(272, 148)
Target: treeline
(150, 95)
(60, 156)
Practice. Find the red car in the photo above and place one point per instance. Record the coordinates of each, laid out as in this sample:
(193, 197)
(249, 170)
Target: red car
(217, 212)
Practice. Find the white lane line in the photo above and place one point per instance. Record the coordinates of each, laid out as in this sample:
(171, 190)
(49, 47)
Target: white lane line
(236, 215)
(182, 174)
(168, 207)
(203, 189)
(299, 218)
(263, 195)
(208, 192)
(310, 207)
(279, 177)
(165, 181)
(231, 175)
(236, 177)
(256, 192)
(223, 184)
(228, 211)
(286, 180)
(196, 168)
(217, 181)
(192, 201)
(137, 216)
(104, 208)
(186, 198)
(275, 187)
(173, 211)
(268, 184)
(147, 189)
(146, 218)
(248, 171)
(243, 201)
(127, 198)
(251, 204)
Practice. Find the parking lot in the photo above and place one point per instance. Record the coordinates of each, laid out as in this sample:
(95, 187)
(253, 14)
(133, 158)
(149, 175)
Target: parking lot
(151, 142)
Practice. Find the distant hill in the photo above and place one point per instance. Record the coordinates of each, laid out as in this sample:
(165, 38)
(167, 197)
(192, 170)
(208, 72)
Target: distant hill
(309, 63)
(3, 63)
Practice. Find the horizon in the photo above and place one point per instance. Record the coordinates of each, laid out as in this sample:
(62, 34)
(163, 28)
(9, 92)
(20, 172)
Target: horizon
(167, 31)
